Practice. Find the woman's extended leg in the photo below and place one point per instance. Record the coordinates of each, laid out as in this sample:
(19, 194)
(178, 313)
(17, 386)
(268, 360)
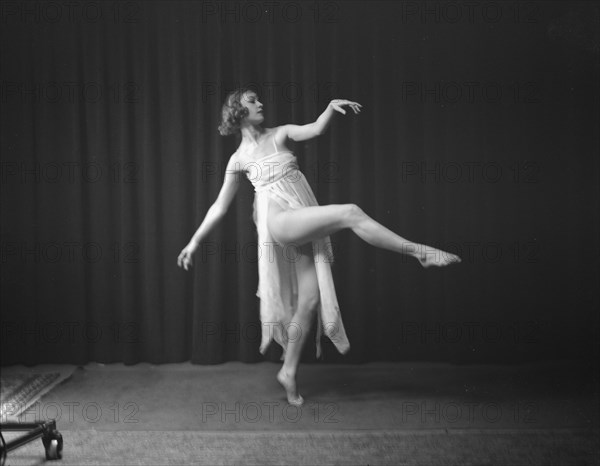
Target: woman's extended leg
(301, 226)
(308, 299)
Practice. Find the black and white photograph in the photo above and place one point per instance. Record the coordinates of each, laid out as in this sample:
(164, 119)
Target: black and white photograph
(299, 232)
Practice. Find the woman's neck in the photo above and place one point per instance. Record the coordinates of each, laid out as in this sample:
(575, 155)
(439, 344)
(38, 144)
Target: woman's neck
(251, 133)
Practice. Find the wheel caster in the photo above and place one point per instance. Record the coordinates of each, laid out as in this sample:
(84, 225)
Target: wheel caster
(53, 443)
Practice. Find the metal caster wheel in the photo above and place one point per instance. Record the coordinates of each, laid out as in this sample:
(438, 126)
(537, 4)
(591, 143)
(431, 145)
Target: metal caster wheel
(53, 443)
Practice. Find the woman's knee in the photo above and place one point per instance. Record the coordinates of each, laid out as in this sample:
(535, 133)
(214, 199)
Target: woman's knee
(308, 303)
(352, 214)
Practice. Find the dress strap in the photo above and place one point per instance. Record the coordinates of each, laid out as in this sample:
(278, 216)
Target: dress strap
(274, 143)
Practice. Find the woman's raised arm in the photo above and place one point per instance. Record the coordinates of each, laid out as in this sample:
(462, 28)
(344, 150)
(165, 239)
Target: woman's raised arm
(215, 213)
(318, 127)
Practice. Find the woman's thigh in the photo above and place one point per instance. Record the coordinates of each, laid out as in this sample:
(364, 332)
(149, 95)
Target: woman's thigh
(306, 224)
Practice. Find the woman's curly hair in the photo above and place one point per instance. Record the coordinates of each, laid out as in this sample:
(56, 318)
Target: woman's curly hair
(233, 112)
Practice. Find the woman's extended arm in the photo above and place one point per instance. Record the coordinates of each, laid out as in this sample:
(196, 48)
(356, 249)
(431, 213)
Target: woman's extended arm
(215, 213)
(318, 127)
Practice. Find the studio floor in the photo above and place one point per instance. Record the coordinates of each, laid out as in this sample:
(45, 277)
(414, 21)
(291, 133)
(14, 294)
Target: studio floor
(376, 413)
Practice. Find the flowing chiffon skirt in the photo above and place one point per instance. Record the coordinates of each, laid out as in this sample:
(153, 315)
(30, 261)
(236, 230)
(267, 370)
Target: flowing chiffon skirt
(278, 178)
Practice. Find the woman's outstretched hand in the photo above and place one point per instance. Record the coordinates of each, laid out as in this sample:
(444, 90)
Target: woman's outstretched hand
(186, 256)
(337, 105)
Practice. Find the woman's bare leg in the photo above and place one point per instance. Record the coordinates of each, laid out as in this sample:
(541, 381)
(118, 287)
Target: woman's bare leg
(301, 226)
(308, 299)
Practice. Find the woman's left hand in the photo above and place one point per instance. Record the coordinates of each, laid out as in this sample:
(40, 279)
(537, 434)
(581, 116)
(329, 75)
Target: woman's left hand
(337, 105)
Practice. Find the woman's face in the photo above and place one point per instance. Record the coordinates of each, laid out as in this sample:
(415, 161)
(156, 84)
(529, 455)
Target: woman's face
(254, 106)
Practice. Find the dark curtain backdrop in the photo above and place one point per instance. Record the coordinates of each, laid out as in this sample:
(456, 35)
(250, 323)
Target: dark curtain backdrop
(479, 134)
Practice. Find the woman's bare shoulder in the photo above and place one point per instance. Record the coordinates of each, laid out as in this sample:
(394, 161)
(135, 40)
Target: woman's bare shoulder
(280, 134)
(276, 129)
(234, 163)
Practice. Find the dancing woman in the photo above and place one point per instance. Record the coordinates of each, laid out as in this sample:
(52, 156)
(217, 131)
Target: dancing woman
(295, 278)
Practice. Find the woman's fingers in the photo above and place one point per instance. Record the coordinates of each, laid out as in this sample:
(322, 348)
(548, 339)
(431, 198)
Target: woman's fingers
(187, 261)
(338, 103)
(349, 102)
(339, 109)
(187, 264)
(184, 260)
(355, 106)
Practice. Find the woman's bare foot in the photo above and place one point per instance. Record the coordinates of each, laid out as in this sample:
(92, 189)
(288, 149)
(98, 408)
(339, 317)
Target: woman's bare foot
(289, 384)
(432, 257)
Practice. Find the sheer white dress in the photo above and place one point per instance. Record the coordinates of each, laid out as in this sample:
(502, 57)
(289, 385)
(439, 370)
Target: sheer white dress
(277, 177)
